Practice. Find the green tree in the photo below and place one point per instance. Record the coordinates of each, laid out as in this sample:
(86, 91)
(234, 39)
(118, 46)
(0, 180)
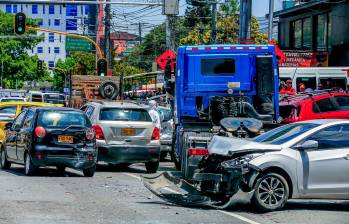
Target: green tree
(18, 65)
(78, 63)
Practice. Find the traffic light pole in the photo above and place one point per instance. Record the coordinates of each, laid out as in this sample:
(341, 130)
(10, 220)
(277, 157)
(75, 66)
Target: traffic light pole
(66, 72)
(99, 51)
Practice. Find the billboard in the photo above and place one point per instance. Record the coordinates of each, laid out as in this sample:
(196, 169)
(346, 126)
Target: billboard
(296, 58)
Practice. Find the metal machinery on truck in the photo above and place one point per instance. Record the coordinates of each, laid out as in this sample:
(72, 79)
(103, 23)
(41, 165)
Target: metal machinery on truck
(228, 90)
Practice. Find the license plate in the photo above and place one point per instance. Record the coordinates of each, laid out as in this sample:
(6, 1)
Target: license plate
(128, 131)
(65, 139)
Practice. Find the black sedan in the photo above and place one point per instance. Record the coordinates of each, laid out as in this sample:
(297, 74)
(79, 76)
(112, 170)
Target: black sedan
(50, 136)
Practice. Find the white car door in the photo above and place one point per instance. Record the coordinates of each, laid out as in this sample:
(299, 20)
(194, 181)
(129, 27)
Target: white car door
(323, 172)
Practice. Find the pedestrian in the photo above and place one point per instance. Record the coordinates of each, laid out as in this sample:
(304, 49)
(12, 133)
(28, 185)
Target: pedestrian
(154, 114)
(301, 87)
(288, 90)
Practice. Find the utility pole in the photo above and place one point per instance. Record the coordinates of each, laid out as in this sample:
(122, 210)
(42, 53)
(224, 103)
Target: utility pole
(245, 19)
(271, 19)
(213, 22)
(170, 8)
(140, 32)
(107, 41)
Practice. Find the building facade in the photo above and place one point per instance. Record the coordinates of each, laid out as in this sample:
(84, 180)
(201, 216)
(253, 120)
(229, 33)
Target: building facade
(316, 27)
(66, 18)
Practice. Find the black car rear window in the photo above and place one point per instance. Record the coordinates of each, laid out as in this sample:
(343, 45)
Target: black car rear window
(124, 114)
(62, 119)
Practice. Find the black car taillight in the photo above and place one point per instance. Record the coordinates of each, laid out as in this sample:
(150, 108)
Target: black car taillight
(40, 132)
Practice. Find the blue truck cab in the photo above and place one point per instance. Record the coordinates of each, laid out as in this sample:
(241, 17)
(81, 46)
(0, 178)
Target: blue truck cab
(228, 90)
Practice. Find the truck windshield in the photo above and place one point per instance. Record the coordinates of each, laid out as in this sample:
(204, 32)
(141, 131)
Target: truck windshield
(124, 114)
(62, 119)
(285, 133)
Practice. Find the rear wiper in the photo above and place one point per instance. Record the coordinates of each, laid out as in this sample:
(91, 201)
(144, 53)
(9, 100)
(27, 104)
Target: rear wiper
(74, 126)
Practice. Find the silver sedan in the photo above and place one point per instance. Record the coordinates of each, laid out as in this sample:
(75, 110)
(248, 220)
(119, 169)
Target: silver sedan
(300, 160)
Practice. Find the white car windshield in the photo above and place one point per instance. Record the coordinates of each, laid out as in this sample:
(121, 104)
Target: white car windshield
(285, 133)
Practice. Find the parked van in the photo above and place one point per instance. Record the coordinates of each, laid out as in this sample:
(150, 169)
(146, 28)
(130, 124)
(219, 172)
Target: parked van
(48, 97)
(311, 77)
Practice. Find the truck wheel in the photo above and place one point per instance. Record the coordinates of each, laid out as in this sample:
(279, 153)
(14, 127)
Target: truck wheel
(152, 167)
(89, 172)
(174, 157)
(108, 89)
(271, 192)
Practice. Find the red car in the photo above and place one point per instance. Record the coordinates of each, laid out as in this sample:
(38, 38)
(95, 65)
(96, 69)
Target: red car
(324, 105)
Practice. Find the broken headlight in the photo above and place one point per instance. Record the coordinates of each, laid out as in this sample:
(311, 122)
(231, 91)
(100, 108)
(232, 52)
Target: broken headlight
(241, 161)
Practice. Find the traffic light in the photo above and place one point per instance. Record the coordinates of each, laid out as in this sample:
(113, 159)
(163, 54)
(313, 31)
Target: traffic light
(102, 67)
(20, 23)
(39, 66)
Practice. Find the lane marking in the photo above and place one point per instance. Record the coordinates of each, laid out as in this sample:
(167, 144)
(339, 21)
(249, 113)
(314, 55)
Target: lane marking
(132, 175)
(239, 217)
(224, 212)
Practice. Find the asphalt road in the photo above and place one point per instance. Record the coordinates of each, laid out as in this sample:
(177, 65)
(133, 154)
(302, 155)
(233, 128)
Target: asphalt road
(118, 196)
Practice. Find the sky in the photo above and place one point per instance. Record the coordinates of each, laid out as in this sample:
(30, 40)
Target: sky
(261, 7)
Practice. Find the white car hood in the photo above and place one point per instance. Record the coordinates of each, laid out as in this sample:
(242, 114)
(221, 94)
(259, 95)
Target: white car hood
(229, 146)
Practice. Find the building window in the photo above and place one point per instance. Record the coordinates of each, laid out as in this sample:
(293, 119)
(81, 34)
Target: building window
(51, 37)
(56, 50)
(307, 34)
(60, 9)
(60, 38)
(34, 9)
(72, 10)
(43, 9)
(301, 34)
(40, 22)
(8, 8)
(40, 50)
(71, 24)
(49, 22)
(49, 50)
(51, 64)
(57, 22)
(14, 8)
(87, 9)
(21, 8)
(322, 32)
(51, 9)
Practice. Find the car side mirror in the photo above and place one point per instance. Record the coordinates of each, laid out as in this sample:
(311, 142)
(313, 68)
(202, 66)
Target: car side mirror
(307, 145)
(8, 126)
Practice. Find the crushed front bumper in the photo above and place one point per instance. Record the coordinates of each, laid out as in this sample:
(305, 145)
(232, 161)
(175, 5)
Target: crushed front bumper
(171, 188)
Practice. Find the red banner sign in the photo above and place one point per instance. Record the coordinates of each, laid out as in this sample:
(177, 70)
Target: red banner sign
(294, 58)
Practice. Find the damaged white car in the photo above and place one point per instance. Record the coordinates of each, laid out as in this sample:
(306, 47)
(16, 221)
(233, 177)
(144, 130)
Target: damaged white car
(300, 160)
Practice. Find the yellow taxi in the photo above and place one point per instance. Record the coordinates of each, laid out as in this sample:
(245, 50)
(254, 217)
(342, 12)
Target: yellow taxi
(9, 110)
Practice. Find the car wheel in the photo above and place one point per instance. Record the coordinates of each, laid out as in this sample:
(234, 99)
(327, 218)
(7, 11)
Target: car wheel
(4, 163)
(152, 167)
(270, 192)
(89, 172)
(163, 156)
(61, 169)
(29, 167)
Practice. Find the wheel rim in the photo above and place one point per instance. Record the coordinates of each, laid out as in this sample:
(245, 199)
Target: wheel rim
(271, 191)
(2, 158)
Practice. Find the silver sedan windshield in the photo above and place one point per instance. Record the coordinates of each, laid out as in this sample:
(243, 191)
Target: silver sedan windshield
(285, 133)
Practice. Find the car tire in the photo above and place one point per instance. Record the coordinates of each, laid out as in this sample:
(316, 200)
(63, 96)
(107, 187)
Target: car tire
(152, 167)
(29, 167)
(163, 155)
(4, 163)
(89, 172)
(61, 170)
(271, 192)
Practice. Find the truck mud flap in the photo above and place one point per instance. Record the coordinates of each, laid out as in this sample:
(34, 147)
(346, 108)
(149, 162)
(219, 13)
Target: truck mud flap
(171, 188)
